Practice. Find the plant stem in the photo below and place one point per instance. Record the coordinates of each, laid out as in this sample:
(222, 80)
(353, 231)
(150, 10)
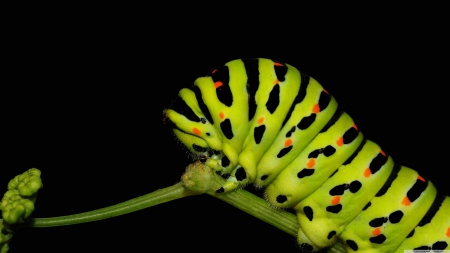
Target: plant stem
(154, 198)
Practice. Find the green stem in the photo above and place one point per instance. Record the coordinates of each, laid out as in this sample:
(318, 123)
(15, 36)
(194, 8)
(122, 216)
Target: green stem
(157, 197)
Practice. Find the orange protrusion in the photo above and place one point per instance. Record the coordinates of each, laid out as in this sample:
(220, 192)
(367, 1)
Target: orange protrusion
(355, 127)
(326, 91)
(196, 131)
(288, 143)
(340, 141)
(382, 152)
(367, 172)
(406, 201)
(316, 109)
(448, 232)
(218, 84)
(221, 115)
(376, 231)
(421, 178)
(214, 71)
(278, 64)
(276, 81)
(335, 200)
(261, 120)
(311, 163)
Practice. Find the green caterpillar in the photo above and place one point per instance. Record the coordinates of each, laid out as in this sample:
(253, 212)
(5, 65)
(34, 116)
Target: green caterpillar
(264, 122)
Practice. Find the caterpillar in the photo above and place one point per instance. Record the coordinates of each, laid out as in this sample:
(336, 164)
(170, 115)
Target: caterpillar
(263, 122)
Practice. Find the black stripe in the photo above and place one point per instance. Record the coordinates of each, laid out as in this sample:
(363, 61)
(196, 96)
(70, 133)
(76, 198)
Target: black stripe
(388, 183)
(201, 103)
(350, 159)
(437, 203)
(300, 96)
(337, 114)
(252, 70)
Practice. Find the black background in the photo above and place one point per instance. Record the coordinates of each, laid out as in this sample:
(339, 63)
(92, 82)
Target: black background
(83, 96)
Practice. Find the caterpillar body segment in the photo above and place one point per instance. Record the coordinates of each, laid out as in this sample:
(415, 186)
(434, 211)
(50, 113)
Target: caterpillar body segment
(266, 123)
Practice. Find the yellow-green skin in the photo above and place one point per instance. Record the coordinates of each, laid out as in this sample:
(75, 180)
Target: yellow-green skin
(295, 160)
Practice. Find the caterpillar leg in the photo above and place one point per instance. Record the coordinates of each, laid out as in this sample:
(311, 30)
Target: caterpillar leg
(237, 179)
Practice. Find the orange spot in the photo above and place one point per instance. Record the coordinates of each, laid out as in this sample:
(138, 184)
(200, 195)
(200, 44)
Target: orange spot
(288, 143)
(218, 84)
(367, 172)
(311, 163)
(421, 178)
(221, 115)
(335, 200)
(276, 81)
(376, 231)
(261, 120)
(316, 108)
(214, 71)
(326, 91)
(196, 131)
(382, 152)
(448, 232)
(340, 141)
(278, 64)
(355, 127)
(406, 201)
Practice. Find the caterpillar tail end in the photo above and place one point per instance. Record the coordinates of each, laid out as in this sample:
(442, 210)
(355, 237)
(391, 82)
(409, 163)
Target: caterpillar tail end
(305, 244)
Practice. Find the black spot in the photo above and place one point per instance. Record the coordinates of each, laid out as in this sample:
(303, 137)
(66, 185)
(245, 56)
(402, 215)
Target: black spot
(300, 96)
(225, 161)
(352, 244)
(284, 151)
(331, 234)
(423, 248)
(289, 133)
(441, 245)
(240, 174)
(258, 133)
(411, 233)
(281, 199)
(379, 239)
(315, 153)
(203, 159)
(433, 210)
(208, 134)
(377, 222)
(198, 148)
(308, 212)
(338, 190)
(222, 74)
(264, 177)
(274, 99)
(203, 120)
(337, 114)
(225, 126)
(225, 176)
(280, 71)
(396, 217)
(220, 190)
(306, 122)
(305, 173)
(329, 150)
(377, 163)
(324, 100)
(306, 247)
(416, 190)
(350, 135)
(334, 209)
(367, 206)
(355, 186)
(201, 103)
(388, 183)
(252, 69)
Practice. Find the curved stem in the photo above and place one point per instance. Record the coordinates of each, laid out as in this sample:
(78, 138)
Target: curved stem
(154, 198)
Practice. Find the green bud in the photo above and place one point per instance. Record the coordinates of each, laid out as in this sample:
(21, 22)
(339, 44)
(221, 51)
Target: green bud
(27, 183)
